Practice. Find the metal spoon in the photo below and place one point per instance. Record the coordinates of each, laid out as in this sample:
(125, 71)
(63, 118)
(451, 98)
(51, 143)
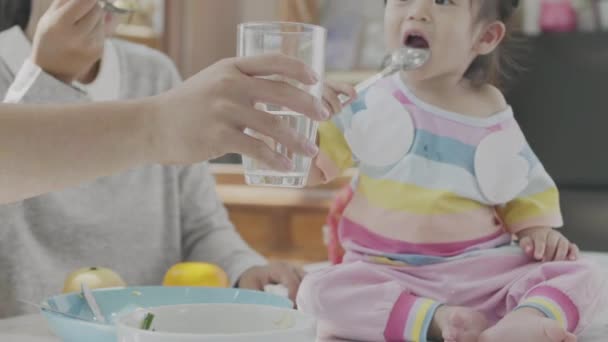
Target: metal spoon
(110, 7)
(91, 302)
(405, 58)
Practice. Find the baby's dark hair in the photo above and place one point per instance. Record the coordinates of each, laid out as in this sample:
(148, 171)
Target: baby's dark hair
(14, 13)
(495, 67)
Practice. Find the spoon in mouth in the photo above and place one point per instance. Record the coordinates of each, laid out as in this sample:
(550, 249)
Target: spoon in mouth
(408, 58)
(404, 58)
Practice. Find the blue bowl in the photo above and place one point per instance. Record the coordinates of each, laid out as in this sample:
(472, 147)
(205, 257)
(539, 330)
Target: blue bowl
(116, 302)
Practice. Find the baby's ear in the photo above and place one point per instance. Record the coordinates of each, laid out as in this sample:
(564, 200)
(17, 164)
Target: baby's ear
(491, 36)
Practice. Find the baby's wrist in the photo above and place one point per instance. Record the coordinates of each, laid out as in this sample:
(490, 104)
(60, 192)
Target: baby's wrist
(529, 230)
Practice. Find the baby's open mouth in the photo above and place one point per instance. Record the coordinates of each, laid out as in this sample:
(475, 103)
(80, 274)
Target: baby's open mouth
(415, 40)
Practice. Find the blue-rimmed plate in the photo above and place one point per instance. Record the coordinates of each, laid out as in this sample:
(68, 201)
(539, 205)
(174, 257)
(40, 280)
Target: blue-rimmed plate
(119, 301)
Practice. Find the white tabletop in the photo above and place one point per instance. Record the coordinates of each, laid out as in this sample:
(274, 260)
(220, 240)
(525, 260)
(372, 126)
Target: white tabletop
(33, 328)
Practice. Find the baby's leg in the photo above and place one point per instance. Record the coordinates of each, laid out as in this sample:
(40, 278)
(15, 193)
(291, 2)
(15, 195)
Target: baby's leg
(527, 324)
(457, 324)
(369, 302)
(553, 301)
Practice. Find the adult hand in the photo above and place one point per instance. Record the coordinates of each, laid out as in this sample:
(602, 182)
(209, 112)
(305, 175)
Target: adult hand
(69, 39)
(206, 116)
(290, 276)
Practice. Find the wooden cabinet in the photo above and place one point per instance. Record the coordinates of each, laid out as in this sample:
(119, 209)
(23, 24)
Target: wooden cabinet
(278, 222)
(139, 35)
(302, 11)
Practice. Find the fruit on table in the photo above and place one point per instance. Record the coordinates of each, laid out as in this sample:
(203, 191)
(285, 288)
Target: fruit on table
(196, 274)
(94, 278)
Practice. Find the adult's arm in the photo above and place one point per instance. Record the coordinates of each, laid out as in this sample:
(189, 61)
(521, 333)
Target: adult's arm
(48, 147)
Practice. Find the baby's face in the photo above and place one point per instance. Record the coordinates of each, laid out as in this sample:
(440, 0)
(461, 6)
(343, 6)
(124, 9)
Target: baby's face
(448, 28)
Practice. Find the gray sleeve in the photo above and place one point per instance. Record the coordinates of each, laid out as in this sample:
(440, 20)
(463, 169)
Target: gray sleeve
(207, 233)
(147, 71)
(174, 75)
(33, 85)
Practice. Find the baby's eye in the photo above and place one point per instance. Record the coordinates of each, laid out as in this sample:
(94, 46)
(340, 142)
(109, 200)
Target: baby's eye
(443, 2)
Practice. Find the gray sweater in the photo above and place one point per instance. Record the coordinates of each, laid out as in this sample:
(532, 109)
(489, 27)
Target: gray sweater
(138, 223)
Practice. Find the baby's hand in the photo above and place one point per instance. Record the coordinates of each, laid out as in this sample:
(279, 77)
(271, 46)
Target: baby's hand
(331, 93)
(547, 244)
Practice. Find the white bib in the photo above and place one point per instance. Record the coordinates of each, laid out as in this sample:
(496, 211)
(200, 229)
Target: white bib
(382, 134)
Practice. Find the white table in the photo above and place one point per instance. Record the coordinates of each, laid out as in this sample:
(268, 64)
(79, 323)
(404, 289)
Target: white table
(33, 328)
(30, 328)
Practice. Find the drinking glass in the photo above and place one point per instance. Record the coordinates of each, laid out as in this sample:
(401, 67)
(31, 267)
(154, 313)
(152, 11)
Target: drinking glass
(306, 43)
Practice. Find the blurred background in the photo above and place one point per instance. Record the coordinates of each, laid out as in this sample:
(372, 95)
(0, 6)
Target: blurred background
(559, 97)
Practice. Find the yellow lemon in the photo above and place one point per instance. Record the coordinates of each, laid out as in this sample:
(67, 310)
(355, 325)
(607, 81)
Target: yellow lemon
(196, 274)
(94, 278)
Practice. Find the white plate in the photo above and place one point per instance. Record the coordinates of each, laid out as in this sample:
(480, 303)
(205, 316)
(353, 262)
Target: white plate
(218, 322)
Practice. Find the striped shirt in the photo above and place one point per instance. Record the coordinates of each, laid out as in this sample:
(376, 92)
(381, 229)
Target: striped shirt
(433, 182)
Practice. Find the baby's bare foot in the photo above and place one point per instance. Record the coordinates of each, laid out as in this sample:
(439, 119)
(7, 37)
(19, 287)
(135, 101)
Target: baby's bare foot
(458, 324)
(527, 325)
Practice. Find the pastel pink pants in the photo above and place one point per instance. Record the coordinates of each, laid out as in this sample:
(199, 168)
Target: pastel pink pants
(373, 302)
